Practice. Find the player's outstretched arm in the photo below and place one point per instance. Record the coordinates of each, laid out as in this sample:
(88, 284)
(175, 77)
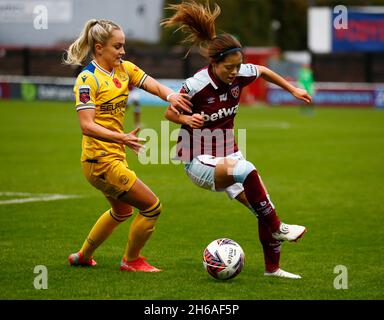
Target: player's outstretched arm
(179, 101)
(90, 128)
(271, 76)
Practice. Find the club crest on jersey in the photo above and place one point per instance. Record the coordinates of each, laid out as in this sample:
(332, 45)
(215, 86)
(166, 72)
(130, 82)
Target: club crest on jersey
(123, 77)
(84, 94)
(117, 83)
(235, 91)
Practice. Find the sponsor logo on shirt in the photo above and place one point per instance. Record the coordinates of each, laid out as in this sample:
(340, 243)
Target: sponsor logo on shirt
(113, 108)
(221, 113)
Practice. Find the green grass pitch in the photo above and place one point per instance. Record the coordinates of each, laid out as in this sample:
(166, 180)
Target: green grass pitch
(324, 171)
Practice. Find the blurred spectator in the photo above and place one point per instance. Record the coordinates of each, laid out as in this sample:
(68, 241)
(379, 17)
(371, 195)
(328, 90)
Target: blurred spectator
(305, 81)
(134, 100)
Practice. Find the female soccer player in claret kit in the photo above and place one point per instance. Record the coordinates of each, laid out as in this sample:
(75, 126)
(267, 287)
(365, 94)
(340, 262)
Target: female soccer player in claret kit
(101, 92)
(206, 142)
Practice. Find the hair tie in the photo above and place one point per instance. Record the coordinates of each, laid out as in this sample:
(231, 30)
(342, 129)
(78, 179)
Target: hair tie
(225, 52)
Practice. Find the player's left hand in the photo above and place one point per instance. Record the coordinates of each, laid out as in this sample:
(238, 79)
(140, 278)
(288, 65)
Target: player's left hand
(180, 102)
(302, 94)
(132, 141)
(195, 121)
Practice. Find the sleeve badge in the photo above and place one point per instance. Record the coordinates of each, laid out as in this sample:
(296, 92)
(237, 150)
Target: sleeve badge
(84, 94)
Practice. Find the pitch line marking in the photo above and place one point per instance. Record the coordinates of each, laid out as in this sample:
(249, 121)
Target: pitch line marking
(33, 197)
(272, 124)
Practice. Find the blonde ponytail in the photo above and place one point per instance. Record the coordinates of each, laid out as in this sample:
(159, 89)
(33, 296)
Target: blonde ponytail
(94, 31)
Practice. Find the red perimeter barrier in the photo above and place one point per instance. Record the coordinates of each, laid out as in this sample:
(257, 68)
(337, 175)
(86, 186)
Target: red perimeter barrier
(257, 90)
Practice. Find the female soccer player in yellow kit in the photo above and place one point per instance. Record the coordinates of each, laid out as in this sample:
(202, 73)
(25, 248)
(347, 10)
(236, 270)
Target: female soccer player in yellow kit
(101, 92)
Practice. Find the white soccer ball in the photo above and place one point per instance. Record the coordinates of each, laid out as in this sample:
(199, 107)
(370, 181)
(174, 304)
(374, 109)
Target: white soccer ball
(223, 259)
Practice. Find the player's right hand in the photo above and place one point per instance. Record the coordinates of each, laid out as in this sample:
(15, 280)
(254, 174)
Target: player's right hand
(195, 121)
(133, 142)
(180, 102)
(302, 94)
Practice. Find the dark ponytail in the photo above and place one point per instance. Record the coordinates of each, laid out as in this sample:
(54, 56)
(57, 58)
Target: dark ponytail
(198, 22)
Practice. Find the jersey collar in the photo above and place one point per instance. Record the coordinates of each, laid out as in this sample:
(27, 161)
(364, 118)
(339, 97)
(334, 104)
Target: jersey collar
(111, 74)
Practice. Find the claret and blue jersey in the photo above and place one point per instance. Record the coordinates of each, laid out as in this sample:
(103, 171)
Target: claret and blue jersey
(218, 103)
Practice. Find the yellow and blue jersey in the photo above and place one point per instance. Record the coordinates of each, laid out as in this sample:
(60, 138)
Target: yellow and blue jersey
(106, 93)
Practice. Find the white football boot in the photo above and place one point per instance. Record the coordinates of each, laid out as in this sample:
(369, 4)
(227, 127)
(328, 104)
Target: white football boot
(289, 232)
(282, 274)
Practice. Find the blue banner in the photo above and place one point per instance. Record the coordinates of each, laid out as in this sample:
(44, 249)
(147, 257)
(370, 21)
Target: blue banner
(379, 97)
(331, 97)
(364, 33)
(146, 98)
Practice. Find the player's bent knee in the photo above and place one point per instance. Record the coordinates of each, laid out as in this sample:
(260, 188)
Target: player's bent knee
(242, 169)
(121, 214)
(153, 211)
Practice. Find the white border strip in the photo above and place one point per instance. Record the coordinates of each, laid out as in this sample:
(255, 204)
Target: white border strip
(33, 197)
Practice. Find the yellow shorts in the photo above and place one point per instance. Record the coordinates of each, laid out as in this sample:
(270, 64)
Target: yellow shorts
(113, 178)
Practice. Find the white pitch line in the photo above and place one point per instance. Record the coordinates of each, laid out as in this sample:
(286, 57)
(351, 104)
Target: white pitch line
(20, 194)
(280, 125)
(36, 198)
